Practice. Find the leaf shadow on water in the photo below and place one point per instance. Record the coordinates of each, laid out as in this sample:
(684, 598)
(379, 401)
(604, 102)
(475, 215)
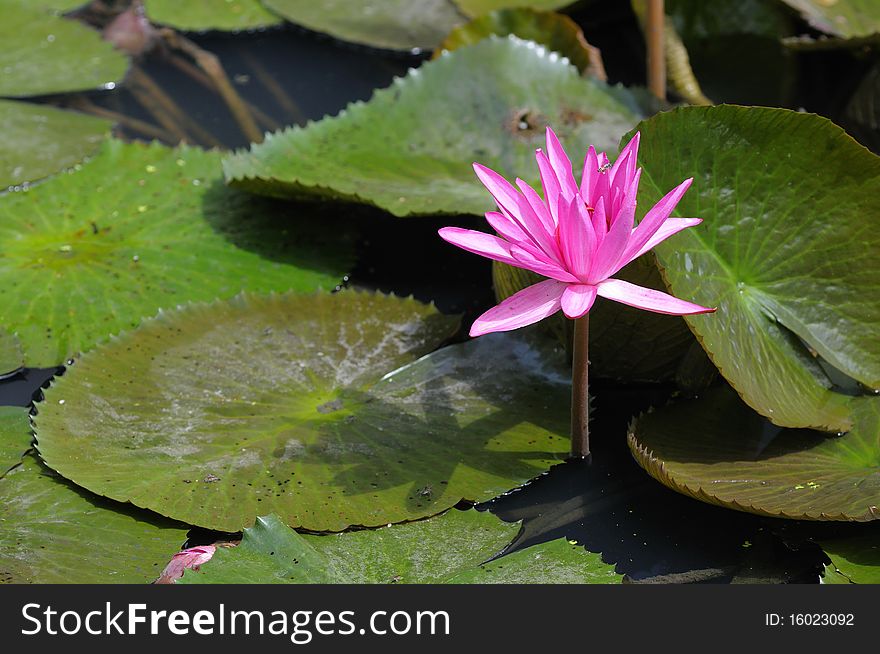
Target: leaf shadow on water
(311, 235)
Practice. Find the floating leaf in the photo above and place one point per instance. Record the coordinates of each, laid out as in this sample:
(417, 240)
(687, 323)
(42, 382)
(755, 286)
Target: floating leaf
(55, 533)
(844, 18)
(204, 15)
(385, 152)
(11, 357)
(39, 140)
(15, 438)
(313, 407)
(717, 450)
(391, 24)
(787, 247)
(479, 7)
(140, 227)
(854, 559)
(451, 548)
(555, 31)
(44, 54)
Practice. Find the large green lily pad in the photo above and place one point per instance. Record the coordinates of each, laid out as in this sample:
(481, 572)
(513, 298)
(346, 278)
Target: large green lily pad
(843, 18)
(787, 251)
(452, 548)
(88, 254)
(855, 559)
(557, 32)
(15, 438)
(719, 451)
(43, 53)
(394, 24)
(11, 356)
(316, 408)
(52, 532)
(409, 149)
(205, 15)
(39, 140)
(391, 24)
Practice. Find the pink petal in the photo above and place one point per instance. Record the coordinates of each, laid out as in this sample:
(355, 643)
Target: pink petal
(589, 176)
(530, 305)
(535, 227)
(577, 299)
(577, 240)
(538, 206)
(615, 242)
(667, 229)
(186, 559)
(549, 184)
(486, 245)
(625, 166)
(656, 217)
(600, 221)
(507, 229)
(539, 264)
(505, 195)
(647, 298)
(561, 165)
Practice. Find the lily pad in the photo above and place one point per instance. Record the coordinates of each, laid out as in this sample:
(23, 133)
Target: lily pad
(39, 140)
(555, 31)
(15, 440)
(383, 152)
(717, 450)
(205, 15)
(451, 548)
(391, 24)
(786, 251)
(479, 7)
(139, 227)
(843, 18)
(56, 533)
(854, 559)
(314, 407)
(43, 53)
(11, 356)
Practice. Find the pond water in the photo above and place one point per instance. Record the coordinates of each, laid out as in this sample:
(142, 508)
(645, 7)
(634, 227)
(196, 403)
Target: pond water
(609, 506)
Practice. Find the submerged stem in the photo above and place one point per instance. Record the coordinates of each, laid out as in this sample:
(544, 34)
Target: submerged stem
(580, 400)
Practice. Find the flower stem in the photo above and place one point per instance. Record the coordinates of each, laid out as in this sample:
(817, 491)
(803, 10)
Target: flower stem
(580, 400)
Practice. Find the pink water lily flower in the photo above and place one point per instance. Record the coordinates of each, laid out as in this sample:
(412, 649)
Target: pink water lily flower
(578, 236)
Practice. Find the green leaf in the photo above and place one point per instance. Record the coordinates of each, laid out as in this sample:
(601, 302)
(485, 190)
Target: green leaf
(409, 149)
(786, 251)
(315, 407)
(39, 140)
(11, 357)
(88, 254)
(717, 450)
(391, 24)
(43, 53)
(15, 437)
(557, 32)
(479, 7)
(844, 18)
(55, 533)
(204, 15)
(450, 548)
(855, 559)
